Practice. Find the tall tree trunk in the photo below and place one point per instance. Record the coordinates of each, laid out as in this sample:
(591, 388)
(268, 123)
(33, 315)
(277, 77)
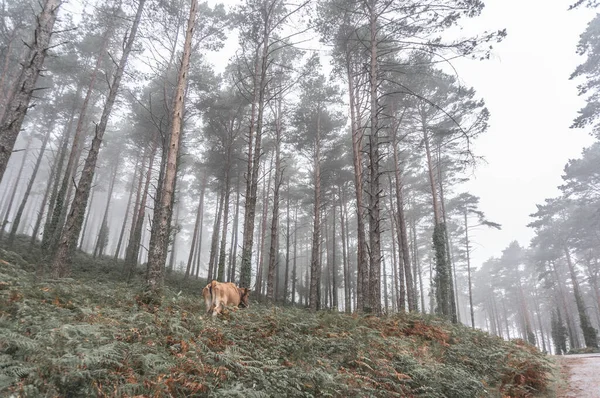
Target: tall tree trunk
(295, 262)
(102, 240)
(573, 337)
(374, 159)
(273, 258)
(25, 223)
(506, 320)
(315, 263)
(529, 336)
(254, 155)
(221, 267)
(468, 254)
(50, 225)
(263, 233)
(215, 238)
(127, 208)
(334, 285)
(68, 240)
(442, 276)
(417, 265)
(454, 305)
(160, 231)
(593, 271)
(36, 167)
(200, 233)
(386, 302)
(589, 333)
(52, 176)
(234, 235)
(286, 279)
(401, 232)
(13, 193)
(536, 303)
(347, 290)
(18, 102)
(174, 243)
(87, 214)
(399, 281)
(5, 69)
(357, 148)
(197, 225)
(139, 214)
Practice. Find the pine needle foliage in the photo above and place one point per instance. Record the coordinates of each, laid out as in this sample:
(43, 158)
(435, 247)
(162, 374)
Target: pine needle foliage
(91, 336)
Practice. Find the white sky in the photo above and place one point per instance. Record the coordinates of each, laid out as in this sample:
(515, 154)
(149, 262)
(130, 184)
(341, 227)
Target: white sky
(532, 104)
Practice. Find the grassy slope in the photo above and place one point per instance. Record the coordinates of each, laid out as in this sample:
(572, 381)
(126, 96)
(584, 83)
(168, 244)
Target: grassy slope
(90, 336)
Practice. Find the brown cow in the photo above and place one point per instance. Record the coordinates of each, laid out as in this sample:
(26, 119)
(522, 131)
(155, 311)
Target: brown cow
(217, 295)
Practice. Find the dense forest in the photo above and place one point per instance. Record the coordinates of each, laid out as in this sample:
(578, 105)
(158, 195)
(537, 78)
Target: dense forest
(319, 166)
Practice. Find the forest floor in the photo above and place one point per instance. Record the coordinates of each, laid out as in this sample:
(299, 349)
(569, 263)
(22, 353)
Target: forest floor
(90, 335)
(583, 374)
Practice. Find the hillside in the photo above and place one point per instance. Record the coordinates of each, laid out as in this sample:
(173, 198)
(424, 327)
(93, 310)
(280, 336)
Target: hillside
(88, 336)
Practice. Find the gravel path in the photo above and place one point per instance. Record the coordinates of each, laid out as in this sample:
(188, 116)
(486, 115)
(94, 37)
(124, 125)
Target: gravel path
(583, 372)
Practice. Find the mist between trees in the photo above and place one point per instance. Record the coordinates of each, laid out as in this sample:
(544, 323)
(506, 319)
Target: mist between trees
(332, 190)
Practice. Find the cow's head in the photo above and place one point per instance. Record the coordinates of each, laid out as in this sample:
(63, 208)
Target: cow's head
(244, 296)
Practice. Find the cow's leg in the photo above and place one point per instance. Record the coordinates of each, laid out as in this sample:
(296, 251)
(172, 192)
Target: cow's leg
(208, 302)
(217, 307)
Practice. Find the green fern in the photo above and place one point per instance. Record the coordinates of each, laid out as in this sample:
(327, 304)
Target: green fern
(15, 340)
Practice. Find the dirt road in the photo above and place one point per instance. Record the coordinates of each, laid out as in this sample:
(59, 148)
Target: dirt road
(583, 373)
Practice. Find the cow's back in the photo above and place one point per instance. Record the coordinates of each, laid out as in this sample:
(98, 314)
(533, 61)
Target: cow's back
(227, 293)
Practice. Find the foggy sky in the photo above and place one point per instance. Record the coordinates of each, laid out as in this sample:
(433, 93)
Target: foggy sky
(532, 102)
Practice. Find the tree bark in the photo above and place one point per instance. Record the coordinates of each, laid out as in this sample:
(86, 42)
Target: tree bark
(200, 233)
(399, 282)
(227, 189)
(374, 159)
(254, 155)
(174, 243)
(442, 277)
(160, 231)
(234, 236)
(334, 285)
(263, 233)
(295, 261)
(454, 305)
(347, 290)
(286, 279)
(357, 147)
(401, 232)
(18, 102)
(273, 258)
(87, 214)
(315, 264)
(215, 238)
(5, 69)
(468, 253)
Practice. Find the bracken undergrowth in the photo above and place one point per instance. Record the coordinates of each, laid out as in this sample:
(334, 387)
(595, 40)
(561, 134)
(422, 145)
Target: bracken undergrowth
(89, 336)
